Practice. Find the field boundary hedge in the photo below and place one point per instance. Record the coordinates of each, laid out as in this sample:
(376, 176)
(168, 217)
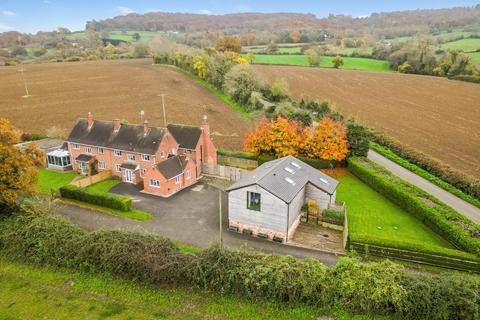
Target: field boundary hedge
(437, 168)
(442, 219)
(424, 174)
(109, 200)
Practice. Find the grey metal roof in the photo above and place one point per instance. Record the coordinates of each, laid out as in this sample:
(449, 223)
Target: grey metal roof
(130, 137)
(44, 144)
(186, 136)
(172, 167)
(285, 177)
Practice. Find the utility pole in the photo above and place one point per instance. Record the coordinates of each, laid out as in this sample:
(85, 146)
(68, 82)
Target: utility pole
(163, 106)
(24, 83)
(220, 213)
(142, 116)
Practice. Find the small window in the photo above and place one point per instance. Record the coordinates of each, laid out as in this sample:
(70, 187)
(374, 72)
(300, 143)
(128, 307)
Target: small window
(75, 146)
(117, 153)
(253, 201)
(88, 150)
(188, 174)
(100, 150)
(177, 179)
(145, 157)
(131, 157)
(155, 183)
(101, 165)
(118, 168)
(162, 154)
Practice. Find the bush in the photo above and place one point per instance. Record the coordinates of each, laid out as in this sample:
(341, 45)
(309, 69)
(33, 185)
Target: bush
(72, 59)
(442, 219)
(374, 288)
(237, 154)
(333, 216)
(465, 77)
(359, 137)
(439, 169)
(108, 200)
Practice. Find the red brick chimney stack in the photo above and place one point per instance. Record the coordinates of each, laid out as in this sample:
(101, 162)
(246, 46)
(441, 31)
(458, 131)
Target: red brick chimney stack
(116, 124)
(90, 120)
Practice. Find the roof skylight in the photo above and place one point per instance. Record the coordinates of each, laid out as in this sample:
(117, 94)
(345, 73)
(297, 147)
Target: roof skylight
(324, 181)
(290, 181)
(295, 165)
(290, 170)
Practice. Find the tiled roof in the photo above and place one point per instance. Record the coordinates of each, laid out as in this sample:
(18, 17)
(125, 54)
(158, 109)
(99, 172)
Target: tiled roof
(172, 167)
(285, 177)
(186, 136)
(84, 157)
(129, 165)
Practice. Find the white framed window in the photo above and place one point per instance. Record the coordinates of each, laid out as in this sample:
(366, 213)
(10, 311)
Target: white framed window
(177, 179)
(188, 174)
(131, 157)
(145, 157)
(253, 201)
(117, 153)
(88, 150)
(75, 146)
(118, 168)
(155, 183)
(174, 151)
(101, 165)
(100, 150)
(162, 154)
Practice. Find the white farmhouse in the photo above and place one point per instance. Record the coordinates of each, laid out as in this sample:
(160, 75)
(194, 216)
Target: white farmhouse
(268, 201)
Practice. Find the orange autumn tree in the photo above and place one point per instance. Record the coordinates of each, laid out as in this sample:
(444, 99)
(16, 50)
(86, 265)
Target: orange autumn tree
(327, 140)
(276, 138)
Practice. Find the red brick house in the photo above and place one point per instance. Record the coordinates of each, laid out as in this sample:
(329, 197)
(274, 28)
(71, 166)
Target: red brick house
(164, 160)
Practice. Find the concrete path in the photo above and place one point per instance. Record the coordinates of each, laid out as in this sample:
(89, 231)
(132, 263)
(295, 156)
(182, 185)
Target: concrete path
(465, 208)
(190, 216)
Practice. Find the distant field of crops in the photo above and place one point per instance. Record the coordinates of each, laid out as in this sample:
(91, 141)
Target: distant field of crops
(301, 60)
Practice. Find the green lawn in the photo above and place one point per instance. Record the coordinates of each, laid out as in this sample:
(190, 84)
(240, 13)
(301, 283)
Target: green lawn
(103, 186)
(475, 57)
(371, 214)
(467, 45)
(53, 180)
(145, 36)
(29, 292)
(301, 60)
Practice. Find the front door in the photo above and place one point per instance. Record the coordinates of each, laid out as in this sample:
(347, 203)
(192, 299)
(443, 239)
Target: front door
(83, 167)
(128, 176)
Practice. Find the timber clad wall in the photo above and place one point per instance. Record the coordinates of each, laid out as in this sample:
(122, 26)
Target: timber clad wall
(295, 210)
(273, 214)
(322, 198)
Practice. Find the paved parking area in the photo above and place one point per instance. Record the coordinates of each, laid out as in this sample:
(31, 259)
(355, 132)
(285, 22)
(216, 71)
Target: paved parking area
(191, 216)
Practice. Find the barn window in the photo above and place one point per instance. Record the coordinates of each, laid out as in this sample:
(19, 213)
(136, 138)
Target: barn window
(253, 201)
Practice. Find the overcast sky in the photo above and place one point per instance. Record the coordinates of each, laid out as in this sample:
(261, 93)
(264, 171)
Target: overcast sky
(46, 15)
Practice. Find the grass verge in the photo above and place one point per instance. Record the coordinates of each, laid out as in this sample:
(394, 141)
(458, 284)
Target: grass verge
(28, 290)
(389, 154)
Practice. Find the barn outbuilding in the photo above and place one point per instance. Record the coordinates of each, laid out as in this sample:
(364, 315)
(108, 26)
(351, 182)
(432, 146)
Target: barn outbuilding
(268, 201)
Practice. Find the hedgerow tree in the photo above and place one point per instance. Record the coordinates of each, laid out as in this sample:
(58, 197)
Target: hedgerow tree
(313, 57)
(337, 62)
(8, 133)
(228, 44)
(359, 137)
(240, 82)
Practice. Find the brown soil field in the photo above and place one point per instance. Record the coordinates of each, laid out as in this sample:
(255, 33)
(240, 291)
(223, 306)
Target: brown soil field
(435, 115)
(63, 92)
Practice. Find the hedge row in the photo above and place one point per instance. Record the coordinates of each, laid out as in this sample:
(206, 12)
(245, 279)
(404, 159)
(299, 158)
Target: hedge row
(237, 154)
(441, 218)
(333, 216)
(466, 77)
(108, 200)
(374, 288)
(424, 174)
(439, 169)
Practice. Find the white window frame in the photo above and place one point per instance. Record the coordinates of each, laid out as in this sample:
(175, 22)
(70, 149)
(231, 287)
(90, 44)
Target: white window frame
(162, 154)
(177, 180)
(88, 150)
(100, 150)
(118, 168)
(75, 146)
(188, 174)
(101, 165)
(131, 157)
(117, 153)
(145, 157)
(154, 183)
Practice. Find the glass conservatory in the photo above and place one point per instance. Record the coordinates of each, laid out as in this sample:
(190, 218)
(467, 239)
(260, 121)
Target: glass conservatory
(59, 160)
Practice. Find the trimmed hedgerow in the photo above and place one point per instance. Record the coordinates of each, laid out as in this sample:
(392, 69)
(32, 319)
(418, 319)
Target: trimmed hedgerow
(108, 200)
(441, 218)
(424, 174)
(378, 288)
(333, 216)
(237, 154)
(439, 169)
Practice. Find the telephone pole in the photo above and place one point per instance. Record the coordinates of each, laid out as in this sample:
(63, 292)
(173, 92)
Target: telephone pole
(24, 83)
(163, 106)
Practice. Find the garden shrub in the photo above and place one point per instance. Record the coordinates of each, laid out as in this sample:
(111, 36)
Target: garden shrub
(442, 219)
(374, 288)
(108, 200)
(333, 216)
(237, 154)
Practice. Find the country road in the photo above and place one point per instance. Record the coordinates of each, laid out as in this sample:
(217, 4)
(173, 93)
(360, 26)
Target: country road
(453, 201)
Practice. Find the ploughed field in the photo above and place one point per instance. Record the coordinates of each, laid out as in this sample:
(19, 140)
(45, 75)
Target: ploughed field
(63, 92)
(438, 116)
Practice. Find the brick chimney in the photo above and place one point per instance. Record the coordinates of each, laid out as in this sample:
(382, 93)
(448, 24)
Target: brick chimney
(145, 127)
(206, 126)
(90, 120)
(116, 124)
(206, 137)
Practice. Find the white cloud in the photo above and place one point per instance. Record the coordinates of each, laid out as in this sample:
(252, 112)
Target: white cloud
(124, 10)
(4, 27)
(205, 11)
(8, 13)
(243, 8)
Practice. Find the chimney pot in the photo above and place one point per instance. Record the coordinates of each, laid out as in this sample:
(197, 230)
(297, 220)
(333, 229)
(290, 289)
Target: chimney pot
(116, 124)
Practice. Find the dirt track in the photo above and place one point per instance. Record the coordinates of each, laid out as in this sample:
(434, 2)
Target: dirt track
(437, 116)
(65, 91)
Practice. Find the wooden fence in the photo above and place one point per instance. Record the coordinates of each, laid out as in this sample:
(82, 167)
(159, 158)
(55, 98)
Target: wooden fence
(224, 172)
(86, 181)
(345, 227)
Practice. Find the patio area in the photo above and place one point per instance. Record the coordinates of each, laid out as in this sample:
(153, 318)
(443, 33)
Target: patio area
(314, 236)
